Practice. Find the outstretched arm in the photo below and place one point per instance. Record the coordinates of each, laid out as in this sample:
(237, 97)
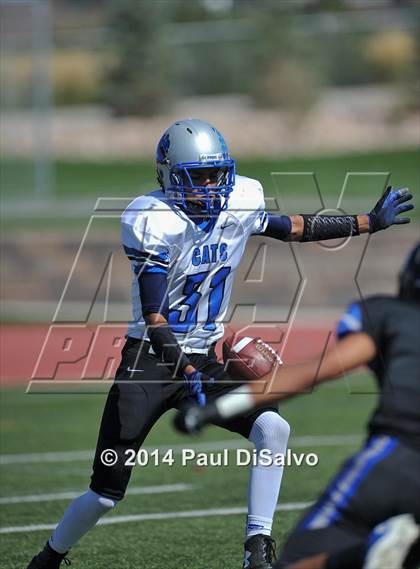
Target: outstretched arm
(349, 353)
(353, 351)
(322, 227)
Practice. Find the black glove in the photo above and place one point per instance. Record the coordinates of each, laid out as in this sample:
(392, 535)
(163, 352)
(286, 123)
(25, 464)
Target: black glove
(194, 383)
(388, 207)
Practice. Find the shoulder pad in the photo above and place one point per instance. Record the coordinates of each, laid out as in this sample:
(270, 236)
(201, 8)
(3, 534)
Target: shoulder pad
(247, 194)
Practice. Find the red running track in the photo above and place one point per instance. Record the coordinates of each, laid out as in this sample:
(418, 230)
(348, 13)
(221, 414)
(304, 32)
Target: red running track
(77, 352)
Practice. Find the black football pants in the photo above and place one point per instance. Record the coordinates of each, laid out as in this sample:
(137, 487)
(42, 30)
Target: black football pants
(380, 481)
(138, 398)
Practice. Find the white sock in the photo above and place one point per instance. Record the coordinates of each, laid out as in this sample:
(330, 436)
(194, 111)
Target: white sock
(80, 516)
(270, 431)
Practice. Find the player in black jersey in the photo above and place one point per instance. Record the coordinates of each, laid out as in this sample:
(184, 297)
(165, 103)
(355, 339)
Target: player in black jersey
(368, 515)
(382, 481)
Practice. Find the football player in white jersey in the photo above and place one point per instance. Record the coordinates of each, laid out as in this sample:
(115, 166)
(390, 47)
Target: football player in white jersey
(185, 242)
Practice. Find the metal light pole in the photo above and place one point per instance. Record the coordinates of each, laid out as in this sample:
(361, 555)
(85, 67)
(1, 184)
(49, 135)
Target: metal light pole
(42, 97)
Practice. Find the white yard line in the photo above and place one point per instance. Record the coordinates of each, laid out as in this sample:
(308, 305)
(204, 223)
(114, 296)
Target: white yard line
(291, 506)
(162, 489)
(80, 455)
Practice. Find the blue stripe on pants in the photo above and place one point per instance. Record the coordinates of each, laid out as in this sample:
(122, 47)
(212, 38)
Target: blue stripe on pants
(347, 482)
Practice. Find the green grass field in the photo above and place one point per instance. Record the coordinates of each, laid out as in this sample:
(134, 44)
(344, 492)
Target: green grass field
(61, 423)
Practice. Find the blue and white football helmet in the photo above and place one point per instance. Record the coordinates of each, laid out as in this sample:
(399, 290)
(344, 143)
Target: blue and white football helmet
(185, 149)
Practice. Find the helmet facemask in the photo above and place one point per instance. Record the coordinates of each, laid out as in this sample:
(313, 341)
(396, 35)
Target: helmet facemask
(203, 190)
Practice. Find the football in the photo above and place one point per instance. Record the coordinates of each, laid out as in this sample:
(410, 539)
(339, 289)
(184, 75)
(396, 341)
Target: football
(247, 358)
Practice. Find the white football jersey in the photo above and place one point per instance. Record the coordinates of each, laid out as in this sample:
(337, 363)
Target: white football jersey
(200, 262)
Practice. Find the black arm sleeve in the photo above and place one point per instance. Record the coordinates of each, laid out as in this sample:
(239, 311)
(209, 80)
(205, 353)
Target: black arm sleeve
(321, 227)
(166, 347)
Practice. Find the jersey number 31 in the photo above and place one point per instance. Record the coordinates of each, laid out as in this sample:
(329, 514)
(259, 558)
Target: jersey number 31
(183, 320)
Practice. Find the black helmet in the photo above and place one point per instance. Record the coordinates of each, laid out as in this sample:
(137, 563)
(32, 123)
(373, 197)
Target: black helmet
(410, 276)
